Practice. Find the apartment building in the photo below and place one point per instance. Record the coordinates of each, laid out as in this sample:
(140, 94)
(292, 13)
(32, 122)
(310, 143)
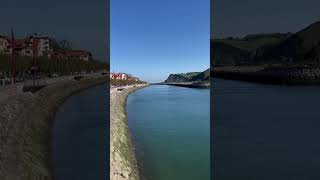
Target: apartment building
(40, 46)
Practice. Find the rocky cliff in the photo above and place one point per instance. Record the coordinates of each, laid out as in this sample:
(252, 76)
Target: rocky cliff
(189, 77)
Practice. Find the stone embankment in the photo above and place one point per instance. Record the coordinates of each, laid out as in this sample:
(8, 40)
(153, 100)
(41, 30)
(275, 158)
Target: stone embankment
(283, 76)
(9, 91)
(26, 122)
(203, 85)
(123, 163)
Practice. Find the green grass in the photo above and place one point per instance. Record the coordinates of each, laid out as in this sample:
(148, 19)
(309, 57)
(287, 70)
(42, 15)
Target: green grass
(252, 42)
(119, 82)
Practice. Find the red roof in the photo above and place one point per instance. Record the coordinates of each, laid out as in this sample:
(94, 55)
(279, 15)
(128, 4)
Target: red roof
(116, 75)
(39, 37)
(19, 42)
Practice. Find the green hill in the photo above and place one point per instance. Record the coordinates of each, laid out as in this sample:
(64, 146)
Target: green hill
(225, 53)
(189, 77)
(277, 48)
(254, 41)
(301, 47)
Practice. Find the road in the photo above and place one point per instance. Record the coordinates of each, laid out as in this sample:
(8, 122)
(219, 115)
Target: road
(8, 91)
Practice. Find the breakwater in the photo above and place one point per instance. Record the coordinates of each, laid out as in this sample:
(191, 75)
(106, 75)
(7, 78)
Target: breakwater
(26, 122)
(123, 163)
(191, 85)
(280, 76)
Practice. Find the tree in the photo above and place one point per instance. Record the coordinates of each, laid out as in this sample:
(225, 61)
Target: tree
(65, 45)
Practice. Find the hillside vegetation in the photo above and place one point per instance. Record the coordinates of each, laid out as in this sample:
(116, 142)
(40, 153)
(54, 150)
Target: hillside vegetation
(189, 77)
(49, 66)
(289, 49)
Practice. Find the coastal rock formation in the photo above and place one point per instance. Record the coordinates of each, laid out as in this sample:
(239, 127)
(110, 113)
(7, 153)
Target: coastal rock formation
(189, 77)
(176, 78)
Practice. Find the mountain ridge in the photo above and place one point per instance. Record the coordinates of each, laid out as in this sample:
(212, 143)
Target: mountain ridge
(189, 77)
(285, 48)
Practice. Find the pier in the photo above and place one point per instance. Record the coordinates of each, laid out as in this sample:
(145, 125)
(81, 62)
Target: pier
(191, 85)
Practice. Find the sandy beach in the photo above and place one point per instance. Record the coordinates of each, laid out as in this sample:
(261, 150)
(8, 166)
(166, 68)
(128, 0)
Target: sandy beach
(123, 163)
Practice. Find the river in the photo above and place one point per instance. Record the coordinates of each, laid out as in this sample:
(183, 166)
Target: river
(265, 132)
(79, 138)
(170, 128)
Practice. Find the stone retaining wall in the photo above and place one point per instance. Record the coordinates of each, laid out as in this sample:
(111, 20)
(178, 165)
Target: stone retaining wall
(123, 163)
(285, 76)
(25, 129)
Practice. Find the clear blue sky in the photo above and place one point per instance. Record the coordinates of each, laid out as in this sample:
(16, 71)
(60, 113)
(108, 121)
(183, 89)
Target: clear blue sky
(154, 38)
(242, 17)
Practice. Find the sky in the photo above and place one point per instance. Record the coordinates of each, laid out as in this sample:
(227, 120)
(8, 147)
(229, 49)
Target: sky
(82, 22)
(240, 17)
(151, 39)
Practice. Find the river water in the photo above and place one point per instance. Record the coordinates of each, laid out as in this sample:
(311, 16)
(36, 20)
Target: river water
(79, 138)
(265, 132)
(170, 128)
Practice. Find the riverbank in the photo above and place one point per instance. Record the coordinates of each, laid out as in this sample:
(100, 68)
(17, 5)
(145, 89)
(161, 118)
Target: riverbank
(26, 123)
(123, 163)
(270, 75)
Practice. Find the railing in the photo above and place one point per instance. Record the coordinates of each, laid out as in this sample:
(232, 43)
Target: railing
(36, 82)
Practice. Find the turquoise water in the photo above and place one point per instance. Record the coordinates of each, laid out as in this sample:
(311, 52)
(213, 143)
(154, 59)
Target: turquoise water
(170, 128)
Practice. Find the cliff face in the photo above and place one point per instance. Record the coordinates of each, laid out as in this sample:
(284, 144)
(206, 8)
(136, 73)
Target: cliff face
(202, 77)
(189, 77)
(176, 78)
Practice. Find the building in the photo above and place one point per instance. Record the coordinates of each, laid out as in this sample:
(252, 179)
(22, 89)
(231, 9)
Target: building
(115, 76)
(120, 76)
(58, 54)
(78, 54)
(23, 47)
(33, 45)
(40, 46)
(3, 44)
(123, 76)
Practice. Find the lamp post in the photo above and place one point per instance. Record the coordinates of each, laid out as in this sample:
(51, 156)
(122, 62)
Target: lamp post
(34, 51)
(13, 61)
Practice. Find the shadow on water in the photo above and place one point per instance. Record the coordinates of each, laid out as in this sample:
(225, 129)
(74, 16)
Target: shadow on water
(265, 131)
(79, 144)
